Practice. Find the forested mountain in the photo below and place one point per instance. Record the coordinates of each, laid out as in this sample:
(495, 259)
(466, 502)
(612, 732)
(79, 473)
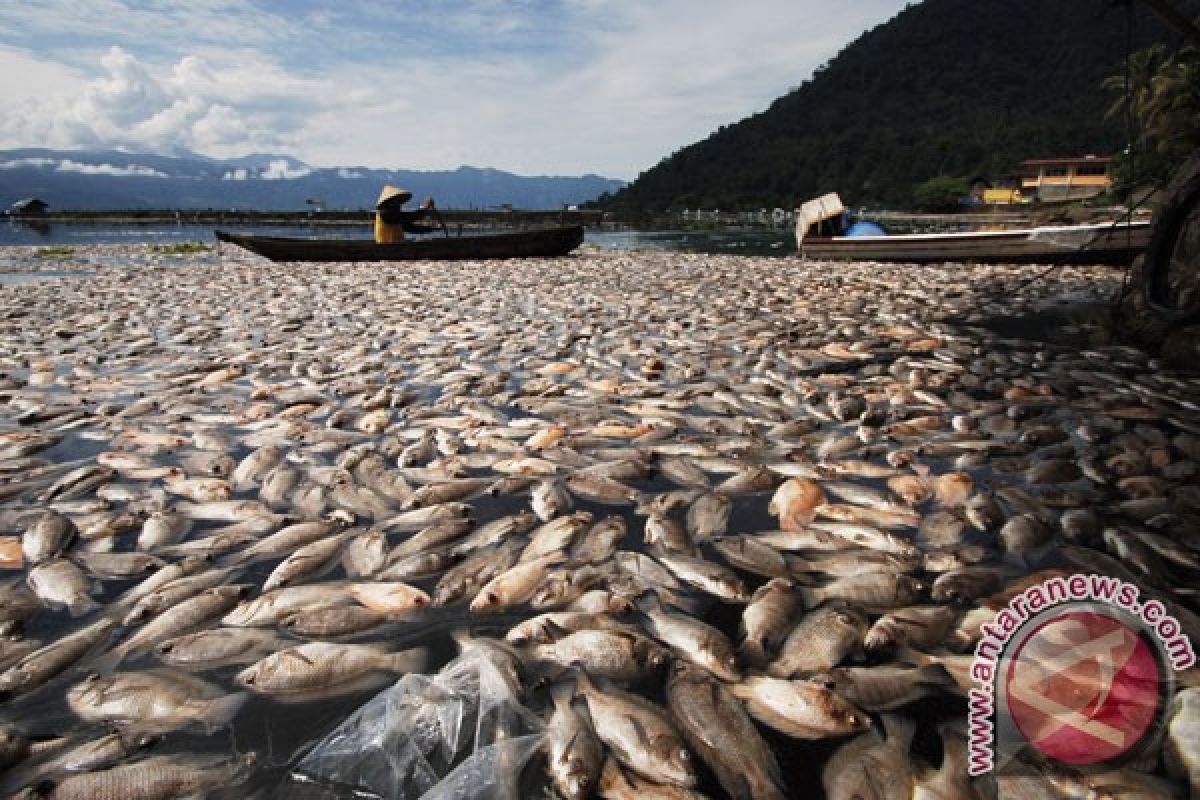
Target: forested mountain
(947, 87)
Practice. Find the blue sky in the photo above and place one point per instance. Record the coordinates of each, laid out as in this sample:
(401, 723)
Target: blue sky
(530, 86)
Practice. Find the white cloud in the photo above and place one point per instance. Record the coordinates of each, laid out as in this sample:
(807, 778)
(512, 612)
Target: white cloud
(280, 170)
(133, 170)
(245, 105)
(603, 86)
(69, 165)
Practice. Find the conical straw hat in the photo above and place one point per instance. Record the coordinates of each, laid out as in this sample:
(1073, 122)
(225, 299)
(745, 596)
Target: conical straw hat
(394, 194)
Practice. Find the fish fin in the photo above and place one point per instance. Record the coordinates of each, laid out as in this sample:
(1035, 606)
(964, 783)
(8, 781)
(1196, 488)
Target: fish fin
(811, 597)
(934, 675)
(562, 693)
(220, 712)
(106, 663)
(899, 730)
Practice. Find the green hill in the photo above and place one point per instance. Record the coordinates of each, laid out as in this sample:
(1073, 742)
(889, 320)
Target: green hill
(947, 87)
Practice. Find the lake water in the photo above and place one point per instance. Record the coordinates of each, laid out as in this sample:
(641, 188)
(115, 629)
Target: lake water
(58, 234)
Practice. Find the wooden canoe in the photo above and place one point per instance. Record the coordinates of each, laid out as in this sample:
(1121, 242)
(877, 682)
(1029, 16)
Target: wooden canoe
(537, 243)
(1107, 243)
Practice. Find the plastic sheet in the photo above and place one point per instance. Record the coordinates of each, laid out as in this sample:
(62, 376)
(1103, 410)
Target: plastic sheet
(460, 734)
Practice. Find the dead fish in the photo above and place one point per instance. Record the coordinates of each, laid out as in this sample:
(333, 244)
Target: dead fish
(697, 641)
(48, 661)
(316, 666)
(616, 655)
(332, 622)
(157, 700)
(638, 733)
(872, 767)
(600, 542)
(216, 647)
(59, 583)
(574, 752)
(914, 626)
(821, 640)
(599, 489)
(189, 615)
(390, 597)
(153, 778)
(47, 537)
(751, 555)
(872, 591)
(767, 619)
(718, 729)
(515, 585)
(802, 709)
(271, 607)
(552, 625)
(705, 575)
(708, 516)
(884, 687)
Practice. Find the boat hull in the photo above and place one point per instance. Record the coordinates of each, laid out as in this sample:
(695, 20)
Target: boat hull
(1115, 245)
(539, 243)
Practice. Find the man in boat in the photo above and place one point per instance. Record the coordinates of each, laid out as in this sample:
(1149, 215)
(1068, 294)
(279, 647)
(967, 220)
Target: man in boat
(391, 220)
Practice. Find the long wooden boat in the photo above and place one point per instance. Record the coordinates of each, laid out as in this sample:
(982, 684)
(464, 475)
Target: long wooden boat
(537, 243)
(1112, 243)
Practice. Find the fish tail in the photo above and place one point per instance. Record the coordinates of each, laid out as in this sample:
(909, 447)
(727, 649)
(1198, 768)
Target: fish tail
(220, 712)
(405, 661)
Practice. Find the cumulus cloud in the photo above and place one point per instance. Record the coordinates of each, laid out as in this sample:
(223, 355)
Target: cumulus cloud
(250, 105)
(133, 170)
(280, 170)
(603, 86)
(69, 165)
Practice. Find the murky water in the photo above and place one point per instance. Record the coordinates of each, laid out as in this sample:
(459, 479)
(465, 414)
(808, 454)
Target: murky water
(57, 234)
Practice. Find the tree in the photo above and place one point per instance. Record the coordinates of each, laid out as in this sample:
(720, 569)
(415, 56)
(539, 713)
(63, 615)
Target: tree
(1162, 97)
(943, 193)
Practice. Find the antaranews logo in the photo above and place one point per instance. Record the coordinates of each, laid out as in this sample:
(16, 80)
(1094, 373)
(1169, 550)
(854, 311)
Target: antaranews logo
(1078, 668)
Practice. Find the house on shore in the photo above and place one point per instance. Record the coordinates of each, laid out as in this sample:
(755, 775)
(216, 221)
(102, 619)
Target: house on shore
(1058, 179)
(29, 207)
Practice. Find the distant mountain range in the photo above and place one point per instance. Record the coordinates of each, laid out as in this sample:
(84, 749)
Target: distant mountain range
(100, 180)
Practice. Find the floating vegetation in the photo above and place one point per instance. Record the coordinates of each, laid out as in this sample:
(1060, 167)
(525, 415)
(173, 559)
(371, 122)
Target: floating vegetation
(180, 248)
(59, 251)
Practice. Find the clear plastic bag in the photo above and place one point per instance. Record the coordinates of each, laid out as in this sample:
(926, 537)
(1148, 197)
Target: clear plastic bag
(461, 734)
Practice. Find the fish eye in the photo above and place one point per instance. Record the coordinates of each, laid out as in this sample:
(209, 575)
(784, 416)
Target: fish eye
(166, 647)
(685, 756)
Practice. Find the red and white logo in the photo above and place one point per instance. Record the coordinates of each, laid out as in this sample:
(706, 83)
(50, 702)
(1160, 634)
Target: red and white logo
(1083, 687)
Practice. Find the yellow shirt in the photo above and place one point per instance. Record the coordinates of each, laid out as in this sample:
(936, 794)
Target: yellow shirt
(387, 234)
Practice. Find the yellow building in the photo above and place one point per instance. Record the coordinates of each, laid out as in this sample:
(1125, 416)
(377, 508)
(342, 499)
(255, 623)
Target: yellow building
(1050, 179)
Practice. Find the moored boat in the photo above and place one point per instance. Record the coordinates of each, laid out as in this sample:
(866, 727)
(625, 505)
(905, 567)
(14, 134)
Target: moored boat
(537, 243)
(1111, 243)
